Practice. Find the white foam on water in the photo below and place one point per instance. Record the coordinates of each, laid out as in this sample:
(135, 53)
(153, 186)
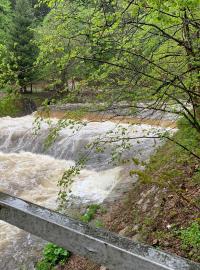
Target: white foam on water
(34, 177)
(31, 173)
(16, 134)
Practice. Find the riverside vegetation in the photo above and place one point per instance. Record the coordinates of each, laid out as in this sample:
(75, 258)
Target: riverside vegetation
(162, 210)
(118, 54)
(170, 218)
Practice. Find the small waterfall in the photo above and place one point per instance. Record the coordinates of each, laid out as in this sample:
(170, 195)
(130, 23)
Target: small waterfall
(31, 172)
(16, 135)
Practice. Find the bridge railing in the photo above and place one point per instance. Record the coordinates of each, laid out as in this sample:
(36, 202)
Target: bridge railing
(101, 246)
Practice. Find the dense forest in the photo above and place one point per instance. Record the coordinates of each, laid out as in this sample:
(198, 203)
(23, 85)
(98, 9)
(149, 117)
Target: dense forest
(127, 51)
(115, 57)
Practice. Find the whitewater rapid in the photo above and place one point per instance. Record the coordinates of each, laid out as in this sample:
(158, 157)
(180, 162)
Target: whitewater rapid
(31, 171)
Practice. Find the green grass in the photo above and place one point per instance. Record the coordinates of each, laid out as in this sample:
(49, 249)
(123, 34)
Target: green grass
(190, 240)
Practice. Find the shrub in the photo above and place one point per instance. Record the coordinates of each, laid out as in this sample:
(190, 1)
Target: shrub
(8, 105)
(52, 256)
(91, 211)
(191, 235)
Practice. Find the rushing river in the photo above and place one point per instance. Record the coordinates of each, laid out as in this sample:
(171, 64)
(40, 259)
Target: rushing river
(30, 171)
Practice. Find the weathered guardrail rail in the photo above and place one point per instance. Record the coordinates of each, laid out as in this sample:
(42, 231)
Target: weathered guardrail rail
(101, 246)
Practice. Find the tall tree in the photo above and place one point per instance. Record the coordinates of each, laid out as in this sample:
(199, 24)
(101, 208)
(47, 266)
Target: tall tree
(5, 19)
(6, 74)
(24, 50)
(148, 48)
(40, 9)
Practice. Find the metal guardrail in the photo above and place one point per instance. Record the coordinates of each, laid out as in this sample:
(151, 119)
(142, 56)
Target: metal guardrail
(102, 247)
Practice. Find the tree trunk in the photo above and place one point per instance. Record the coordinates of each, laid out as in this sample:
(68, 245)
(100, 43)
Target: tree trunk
(192, 55)
(31, 91)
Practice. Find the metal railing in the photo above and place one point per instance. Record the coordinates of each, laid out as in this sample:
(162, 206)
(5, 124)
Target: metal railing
(101, 246)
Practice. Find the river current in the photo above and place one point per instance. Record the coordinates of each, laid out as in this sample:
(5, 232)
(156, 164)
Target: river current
(30, 171)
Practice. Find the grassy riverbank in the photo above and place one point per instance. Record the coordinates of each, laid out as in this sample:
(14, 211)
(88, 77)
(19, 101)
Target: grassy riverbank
(162, 208)
(16, 105)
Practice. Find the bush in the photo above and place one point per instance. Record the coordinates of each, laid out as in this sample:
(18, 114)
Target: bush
(188, 136)
(43, 265)
(191, 235)
(52, 256)
(91, 211)
(8, 105)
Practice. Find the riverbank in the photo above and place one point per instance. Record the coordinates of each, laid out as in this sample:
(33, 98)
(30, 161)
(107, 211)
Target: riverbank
(31, 171)
(161, 210)
(16, 105)
(154, 209)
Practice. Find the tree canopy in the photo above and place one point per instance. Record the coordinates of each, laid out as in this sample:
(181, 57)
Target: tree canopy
(132, 49)
(120, 50)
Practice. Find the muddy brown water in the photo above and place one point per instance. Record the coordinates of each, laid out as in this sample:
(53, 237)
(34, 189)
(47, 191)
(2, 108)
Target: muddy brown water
(31, 172)
(95, 117)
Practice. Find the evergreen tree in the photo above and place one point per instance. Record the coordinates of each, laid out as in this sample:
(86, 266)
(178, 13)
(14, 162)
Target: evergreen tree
(40, 9)
(22, 45)
(5, 20)
(7, 77)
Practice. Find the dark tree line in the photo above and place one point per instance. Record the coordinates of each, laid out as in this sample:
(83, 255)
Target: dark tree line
(27, 14)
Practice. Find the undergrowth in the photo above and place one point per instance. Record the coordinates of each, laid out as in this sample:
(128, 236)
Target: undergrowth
(90, 213)
(52, 256)
(190, 240)
(168, 217)
(167, 167)
(8, 105)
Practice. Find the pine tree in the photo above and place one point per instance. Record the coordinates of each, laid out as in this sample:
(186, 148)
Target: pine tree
(22, 45)
(5, 20)
(40, 9)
